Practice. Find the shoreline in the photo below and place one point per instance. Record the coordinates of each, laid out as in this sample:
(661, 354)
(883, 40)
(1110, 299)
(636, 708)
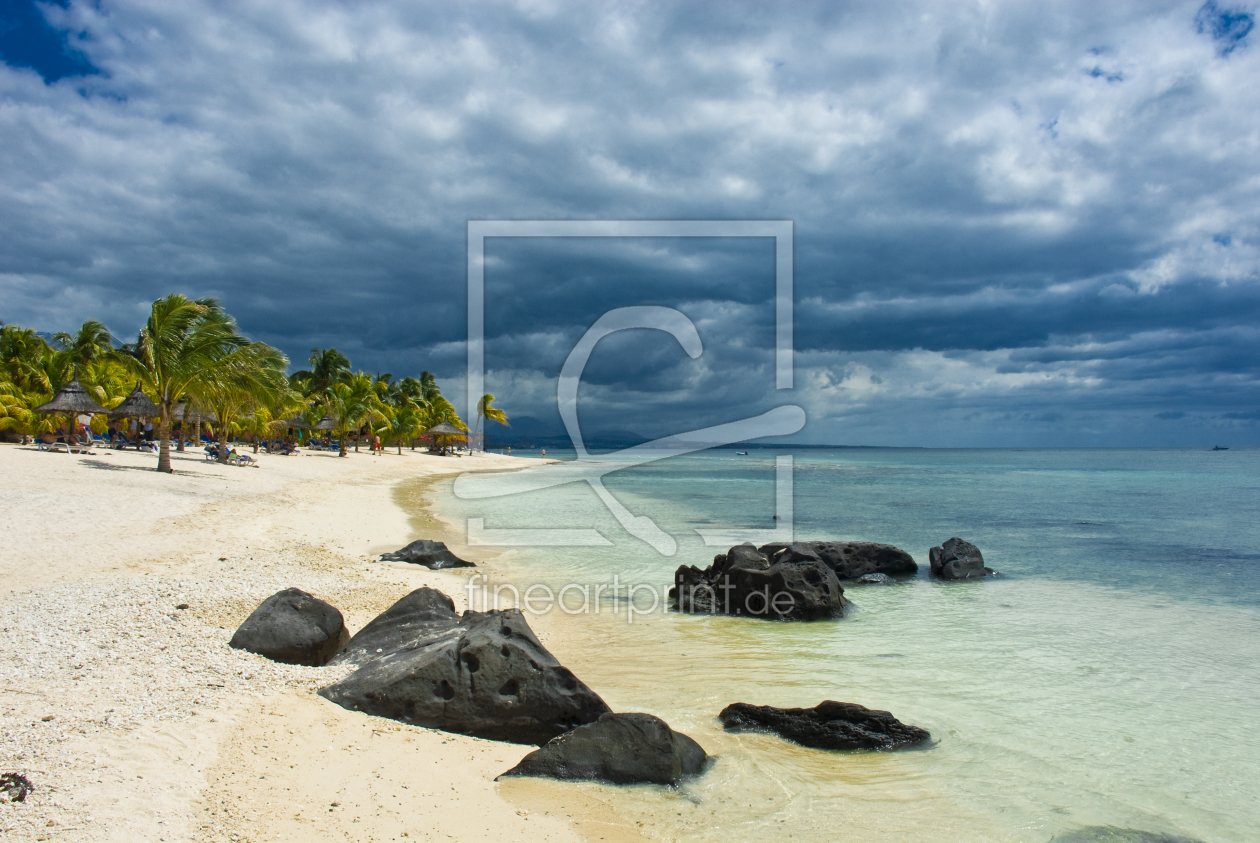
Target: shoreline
(133, 718)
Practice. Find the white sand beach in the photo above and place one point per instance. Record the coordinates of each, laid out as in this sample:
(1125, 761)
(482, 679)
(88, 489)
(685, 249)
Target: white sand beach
(135, 721)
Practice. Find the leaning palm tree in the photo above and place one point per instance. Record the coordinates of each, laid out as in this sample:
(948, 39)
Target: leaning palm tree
(249, 377)
(484, 410)
(181, 348)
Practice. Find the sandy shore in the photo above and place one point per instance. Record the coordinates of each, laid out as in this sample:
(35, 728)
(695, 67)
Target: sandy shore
(135, 721)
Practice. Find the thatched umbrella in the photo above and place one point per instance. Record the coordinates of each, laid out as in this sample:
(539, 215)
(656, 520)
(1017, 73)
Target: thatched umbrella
(73, 400)
(136, 405)
(181, 412)
(444, 430)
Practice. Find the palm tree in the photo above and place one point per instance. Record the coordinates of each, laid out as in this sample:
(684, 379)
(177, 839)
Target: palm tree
(90, 343)
(22, 352)
(353, 403)
(491, 413)
(249, 377)
(181, 348)
(403, 424)
(328, 366)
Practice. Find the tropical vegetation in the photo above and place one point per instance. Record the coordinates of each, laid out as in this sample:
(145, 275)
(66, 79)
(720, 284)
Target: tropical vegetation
(191, 359)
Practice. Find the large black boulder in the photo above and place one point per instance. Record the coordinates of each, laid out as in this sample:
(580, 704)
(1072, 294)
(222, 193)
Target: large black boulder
(428, 553)
(293, 627)
(958, 560)
(1113, 834)
(617, 748)
(421, 616)
(829, 725)
(743, 581)
(486, 675)
(851, 560)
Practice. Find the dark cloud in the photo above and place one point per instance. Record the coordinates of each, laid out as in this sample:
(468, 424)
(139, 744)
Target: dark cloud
(1014, 224)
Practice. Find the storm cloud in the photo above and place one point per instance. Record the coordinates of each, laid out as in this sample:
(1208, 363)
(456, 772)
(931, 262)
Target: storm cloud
(1015, 224)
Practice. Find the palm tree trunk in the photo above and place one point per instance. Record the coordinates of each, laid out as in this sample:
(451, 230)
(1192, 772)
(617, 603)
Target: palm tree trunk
(342, 442)
(222, 443)
(164, 440)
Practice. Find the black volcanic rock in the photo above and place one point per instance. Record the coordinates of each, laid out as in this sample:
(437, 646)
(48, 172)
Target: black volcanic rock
(486, 675)
(851, 560)
(617, 748)
(829, 725)
(743, 581)
(958, 560)
(428, 553)
(418, 618)
(293, 627)
(1112, 834)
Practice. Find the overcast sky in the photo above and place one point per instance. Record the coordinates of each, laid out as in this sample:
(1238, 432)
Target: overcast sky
(1016, 224)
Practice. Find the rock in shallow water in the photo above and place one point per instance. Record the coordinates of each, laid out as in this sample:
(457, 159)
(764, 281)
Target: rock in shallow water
(428, 553)
(851, 560)
(958, 560)
(829, 725)
(617, 748)
(485, 675)
(1112, 834)
(743, 581)
(876, 579)
(293, 627)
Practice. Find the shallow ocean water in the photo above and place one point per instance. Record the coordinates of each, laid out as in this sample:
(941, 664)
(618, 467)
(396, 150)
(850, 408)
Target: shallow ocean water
(1109, 676)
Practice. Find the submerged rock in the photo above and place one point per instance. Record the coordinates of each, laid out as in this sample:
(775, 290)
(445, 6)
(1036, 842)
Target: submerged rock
(617, 748)
(428, 553)
(1112, 834)
(829, 725)
(875, 579)
(485, 675)
(743, 581)
(958, 560)
(421, 616)
(852, 560)
(293, 627)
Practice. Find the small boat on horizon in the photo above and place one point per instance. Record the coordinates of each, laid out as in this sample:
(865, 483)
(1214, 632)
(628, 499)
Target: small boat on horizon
(1219, 448)
(741, 453)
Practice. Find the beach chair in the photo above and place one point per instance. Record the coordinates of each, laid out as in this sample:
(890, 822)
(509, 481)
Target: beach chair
(246, 459)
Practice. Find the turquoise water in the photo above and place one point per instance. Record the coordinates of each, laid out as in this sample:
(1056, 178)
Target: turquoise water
(1108, 676)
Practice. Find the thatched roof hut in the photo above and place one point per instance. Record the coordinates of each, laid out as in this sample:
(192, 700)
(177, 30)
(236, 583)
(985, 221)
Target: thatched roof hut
(72, 399)
(182, 412)
(444, 429)
(136, 405)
